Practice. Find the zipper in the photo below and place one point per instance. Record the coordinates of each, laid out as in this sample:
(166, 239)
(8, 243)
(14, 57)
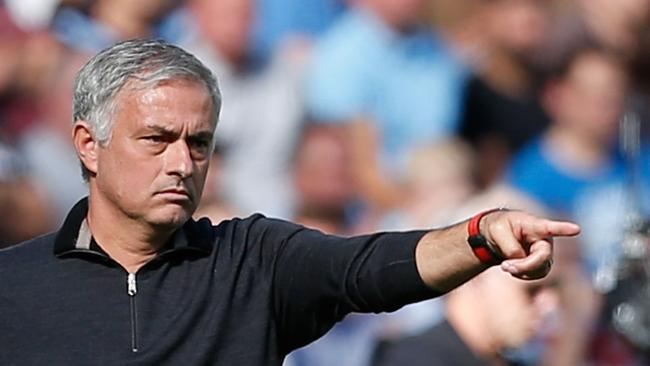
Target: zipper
(132, 290)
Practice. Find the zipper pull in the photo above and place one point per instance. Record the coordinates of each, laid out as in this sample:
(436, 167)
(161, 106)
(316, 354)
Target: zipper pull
(132, 287)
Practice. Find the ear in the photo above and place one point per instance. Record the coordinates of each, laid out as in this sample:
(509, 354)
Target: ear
(86, 145)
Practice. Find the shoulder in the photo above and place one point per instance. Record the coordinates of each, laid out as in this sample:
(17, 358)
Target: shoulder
(254, 228)
(245, 222)
(27, 254)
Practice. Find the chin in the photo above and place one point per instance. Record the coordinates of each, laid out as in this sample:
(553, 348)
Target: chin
(170, 218)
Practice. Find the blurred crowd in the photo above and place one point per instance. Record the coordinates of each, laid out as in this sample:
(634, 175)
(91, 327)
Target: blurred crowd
(352, 116)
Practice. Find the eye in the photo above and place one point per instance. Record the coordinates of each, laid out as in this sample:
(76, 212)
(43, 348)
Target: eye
(200, 147)
(154, 139)
(154, 143)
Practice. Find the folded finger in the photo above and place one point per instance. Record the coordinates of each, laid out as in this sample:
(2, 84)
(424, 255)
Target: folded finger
(535, 264)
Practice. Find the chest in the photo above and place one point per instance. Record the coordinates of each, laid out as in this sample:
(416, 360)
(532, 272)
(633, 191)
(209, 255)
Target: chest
(169, 315)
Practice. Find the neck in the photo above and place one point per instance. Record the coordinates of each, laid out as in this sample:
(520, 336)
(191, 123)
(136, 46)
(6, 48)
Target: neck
(586, 153)
(134, 244)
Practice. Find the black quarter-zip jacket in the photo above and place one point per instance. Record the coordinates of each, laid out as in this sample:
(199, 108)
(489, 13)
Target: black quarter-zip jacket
(244, 292)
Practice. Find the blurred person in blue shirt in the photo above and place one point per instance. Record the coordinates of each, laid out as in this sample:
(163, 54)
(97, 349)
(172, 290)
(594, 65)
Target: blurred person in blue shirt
(578, 150)
(393, 85)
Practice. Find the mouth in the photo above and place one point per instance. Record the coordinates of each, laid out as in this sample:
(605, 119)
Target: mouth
(176, 194)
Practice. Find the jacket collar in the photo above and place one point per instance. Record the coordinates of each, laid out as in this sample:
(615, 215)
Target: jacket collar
(75, 237)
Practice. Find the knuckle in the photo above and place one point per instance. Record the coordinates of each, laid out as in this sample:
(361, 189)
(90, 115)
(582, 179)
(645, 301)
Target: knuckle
(513, 252)
(498, 227)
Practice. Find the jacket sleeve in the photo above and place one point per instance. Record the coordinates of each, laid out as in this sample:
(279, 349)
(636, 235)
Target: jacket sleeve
(317, 279)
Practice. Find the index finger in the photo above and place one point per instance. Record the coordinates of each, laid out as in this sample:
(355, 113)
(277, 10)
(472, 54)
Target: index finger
(563, 228)
(542, 228)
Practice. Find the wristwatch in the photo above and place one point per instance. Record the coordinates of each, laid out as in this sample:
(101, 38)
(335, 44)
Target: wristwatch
(487, 252)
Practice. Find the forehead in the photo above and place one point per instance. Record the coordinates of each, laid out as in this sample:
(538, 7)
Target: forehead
(167, 103)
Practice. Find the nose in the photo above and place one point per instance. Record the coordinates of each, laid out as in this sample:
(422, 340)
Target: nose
(178, 160)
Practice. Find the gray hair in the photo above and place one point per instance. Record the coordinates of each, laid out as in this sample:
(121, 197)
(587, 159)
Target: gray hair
(149, 62)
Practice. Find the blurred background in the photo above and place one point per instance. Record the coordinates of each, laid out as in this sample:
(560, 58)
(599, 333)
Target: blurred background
(352, 116)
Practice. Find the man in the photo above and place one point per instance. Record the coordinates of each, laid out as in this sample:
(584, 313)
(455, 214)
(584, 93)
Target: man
(511, 314)
(131, 279)
(586, 100)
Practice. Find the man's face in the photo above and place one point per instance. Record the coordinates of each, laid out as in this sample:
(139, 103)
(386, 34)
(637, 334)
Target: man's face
(592, 97)
(516, 308)
(154, 167)
(321, 170)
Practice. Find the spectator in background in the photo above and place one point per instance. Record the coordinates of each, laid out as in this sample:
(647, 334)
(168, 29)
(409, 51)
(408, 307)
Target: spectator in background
(585, 101)
(260, 121)
(615, 215)
(565, 311)
(47, 145)
(322, 180)
(509, 315)
(502, 108)
(392, 84)
(88, 27)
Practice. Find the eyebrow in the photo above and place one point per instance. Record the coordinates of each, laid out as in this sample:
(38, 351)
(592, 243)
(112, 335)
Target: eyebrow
(160, 129)
(207, 135)
(166, 131)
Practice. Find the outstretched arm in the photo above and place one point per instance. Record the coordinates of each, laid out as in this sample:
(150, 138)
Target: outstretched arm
(445, 259)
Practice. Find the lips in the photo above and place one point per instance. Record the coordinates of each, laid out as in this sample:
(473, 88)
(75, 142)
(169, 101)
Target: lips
(177, 193)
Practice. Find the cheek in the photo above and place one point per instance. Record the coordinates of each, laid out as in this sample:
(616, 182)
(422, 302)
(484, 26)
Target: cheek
(522, 324)
(516, 311)
(200, 175)
(128, 176)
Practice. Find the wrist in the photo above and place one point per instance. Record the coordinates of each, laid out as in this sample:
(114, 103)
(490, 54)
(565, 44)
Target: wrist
(484, 249)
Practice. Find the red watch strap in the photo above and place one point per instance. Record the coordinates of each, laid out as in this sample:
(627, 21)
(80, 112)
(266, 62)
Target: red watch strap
(473, 227)
(485, 251)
